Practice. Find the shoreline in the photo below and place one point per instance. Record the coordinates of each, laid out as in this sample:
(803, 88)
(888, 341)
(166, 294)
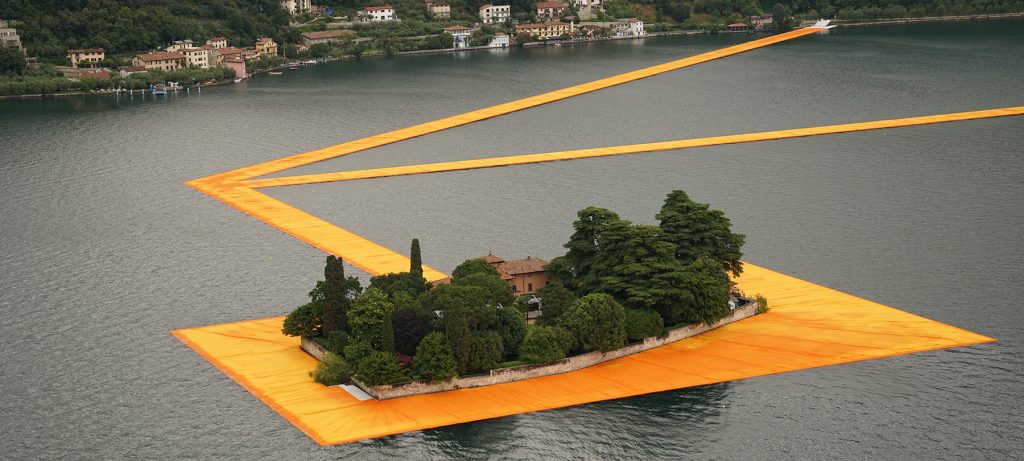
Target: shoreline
(963, 17)
(570, 42)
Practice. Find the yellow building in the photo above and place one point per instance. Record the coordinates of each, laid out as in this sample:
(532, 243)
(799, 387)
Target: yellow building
(550, 29)
(161, 60)
(266, 47)
(93, 56)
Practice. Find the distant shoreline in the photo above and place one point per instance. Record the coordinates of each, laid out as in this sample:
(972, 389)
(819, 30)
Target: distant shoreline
(838, 23)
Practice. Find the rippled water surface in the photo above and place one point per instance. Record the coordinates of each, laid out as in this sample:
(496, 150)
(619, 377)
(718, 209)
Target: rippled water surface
(104, 250)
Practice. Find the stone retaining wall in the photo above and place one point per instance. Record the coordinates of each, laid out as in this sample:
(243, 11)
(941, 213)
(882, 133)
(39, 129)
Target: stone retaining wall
(312, 348)
(576, 362)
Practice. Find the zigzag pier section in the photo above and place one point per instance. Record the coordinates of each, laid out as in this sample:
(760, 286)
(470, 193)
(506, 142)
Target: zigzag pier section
(808, 325)
(631, 149)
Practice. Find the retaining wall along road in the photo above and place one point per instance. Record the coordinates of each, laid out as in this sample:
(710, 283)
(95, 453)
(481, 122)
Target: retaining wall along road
(505, 375)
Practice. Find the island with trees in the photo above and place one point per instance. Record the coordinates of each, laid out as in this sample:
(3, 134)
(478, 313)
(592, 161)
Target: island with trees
(621, 288)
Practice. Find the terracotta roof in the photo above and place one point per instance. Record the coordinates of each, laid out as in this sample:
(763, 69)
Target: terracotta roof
(327, 34)
(377, 8)
(133, 69)
(265, 40)
(500, 34)
(230, 50)
(160, 56)
(550, 5)
(485, 5)
(521, 266)
(455, 28)
(629, 20)
(218, 39)
(491, 259)
(738, 24)
(86, 50)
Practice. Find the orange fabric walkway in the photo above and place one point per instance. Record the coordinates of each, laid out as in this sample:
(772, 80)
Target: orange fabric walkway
(629, 149)
(807, 326)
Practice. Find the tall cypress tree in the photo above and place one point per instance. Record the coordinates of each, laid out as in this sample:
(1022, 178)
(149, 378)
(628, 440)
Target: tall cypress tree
(335, 296)
(415, 260)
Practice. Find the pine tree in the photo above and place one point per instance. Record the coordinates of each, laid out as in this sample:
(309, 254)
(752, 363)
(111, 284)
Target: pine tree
(336, 299)
(415, 260)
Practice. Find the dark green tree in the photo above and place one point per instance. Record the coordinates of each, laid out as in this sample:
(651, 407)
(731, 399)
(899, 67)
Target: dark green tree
(545, 344)
(472, 266)
(697, 231)
(410, 326)
(434, 359)
(338, 293)
(708, 285)
(555, 300)
(486, 348)
(495, 289)
(405, 282)
(575, 269)
(641, 270)
(459, 335)
(596, 322)
(12, 62)
(511, 325)
(415, 260)
(388, 336)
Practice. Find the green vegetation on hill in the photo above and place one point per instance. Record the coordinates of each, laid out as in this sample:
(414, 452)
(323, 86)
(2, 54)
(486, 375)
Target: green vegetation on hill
(49, 27)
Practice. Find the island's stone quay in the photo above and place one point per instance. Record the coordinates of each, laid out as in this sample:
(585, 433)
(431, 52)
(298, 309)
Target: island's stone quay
(807, 326)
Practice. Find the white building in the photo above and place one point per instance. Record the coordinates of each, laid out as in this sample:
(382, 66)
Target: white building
(500, 40)
(378, 13)
(196, 57)
(460, 34)
(179, 45)
(550, 10)
(588, 8)
(294, 7)
(630, 27)
(491, 14)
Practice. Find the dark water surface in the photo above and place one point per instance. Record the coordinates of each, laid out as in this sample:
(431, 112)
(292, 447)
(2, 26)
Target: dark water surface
(103, 250)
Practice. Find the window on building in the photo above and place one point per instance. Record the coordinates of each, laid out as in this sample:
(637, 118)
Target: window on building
(529, 287)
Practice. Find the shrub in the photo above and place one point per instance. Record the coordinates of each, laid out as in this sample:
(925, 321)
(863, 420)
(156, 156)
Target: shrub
(596, 322)
(303, 321)
(331, 371)
(367, 316)
(380, 368)
(356, 351)
(336, 342)
(545, 344)
(485, 349)
(434, 358)
(643, 323)
(762, 304)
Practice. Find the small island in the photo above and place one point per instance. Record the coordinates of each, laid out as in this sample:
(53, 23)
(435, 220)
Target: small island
(621, 288)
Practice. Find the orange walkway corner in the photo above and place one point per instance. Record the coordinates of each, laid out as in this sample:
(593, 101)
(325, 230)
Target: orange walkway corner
(807, 326)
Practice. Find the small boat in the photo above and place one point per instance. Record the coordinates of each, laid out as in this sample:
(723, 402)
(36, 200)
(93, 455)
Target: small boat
(311, 61)
(275, 73)
(159, 88)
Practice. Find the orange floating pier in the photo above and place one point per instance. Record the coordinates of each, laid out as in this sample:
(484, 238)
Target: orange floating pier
(807, 326)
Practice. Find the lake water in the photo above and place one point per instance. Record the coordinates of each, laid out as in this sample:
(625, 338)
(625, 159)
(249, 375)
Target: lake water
(103, 250)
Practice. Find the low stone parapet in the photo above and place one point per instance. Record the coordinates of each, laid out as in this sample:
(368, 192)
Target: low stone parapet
(576, 362)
